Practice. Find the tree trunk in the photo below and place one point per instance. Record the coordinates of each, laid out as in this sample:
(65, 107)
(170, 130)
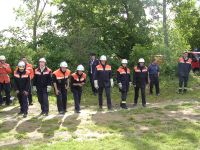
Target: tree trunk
(35, 23)
(166, 42)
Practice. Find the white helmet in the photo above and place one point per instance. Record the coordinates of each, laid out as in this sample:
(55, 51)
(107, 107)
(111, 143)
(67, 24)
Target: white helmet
(21, 64)
(141, 60)
(63, 64)
(2, 57)
(42, 60)
(124, 61)
(103, 57)
(80, 68)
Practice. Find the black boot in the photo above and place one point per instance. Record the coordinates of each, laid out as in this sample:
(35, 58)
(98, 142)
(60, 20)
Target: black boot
(180, 91)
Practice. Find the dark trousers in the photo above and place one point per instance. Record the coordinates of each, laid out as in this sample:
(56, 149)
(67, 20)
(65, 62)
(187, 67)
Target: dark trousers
(108, 96)
(94, 90)
(154, 81)
(183, 81)
(23, 101)
(6, 88)
(62, 100)
(43, 100)
(124, 95)
(137, 95)
(30, 99)
(77, 98)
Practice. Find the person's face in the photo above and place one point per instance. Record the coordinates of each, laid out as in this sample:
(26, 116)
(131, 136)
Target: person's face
(63, 69)
(141, 64)
(24, 60)
(185, 55)
(155, 62)
(93, 57)
(124, 65)
(103, 62)
(80, 72)
(21, 69)
(42, 64)
(2, 61)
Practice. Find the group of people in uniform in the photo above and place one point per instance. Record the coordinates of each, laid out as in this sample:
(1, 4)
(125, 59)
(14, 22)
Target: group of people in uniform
(26, 79)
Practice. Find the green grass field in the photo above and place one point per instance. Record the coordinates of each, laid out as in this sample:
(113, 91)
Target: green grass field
(170, 121)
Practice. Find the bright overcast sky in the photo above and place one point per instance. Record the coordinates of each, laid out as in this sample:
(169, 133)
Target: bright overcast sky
(7, 15)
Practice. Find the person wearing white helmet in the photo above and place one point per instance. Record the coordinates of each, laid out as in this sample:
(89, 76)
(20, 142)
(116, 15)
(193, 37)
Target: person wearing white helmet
(22, 86)
(78, 80)
(92, 65)
(42, 84)
(29, 67)
(61, 85)
(5, 70)
(103, 80)
(140, 79)
(124, 81)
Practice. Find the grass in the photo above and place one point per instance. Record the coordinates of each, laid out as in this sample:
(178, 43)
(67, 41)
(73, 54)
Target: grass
(171, 121)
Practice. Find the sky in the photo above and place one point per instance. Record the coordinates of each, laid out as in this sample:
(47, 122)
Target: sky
(7, 15)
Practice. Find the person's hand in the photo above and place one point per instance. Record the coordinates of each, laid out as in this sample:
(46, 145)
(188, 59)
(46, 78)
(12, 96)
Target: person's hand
(120, 85)
(34, 89)
(111, 82)
(57, 92)
(49, 88)
(96, 84)
(130, 84)
(67, 87)
(25, 93)
(17, 91)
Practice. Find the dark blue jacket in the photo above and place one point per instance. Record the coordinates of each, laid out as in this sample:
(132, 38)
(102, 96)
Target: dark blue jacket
(42, 79)
(103, 74)
(184, 67)
(123, 76)
(153, 70)
(140, 76)
(21, 81)
(92, 66)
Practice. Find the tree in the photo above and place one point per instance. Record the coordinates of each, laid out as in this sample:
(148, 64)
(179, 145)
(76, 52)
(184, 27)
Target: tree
(32, 14)
(120, 24)
(188, 20)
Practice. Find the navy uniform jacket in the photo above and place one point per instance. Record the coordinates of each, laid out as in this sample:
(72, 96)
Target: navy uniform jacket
(21, 81)
(184, 67)
(123, 76)
(42, 79)
(92, 66)
(140, 76)
(153, 70)
(103, 74)
(76, 78)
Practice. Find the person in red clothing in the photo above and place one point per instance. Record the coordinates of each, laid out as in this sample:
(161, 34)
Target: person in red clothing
(78, 80)
(61, 85)
(5, 70)
(29, 67)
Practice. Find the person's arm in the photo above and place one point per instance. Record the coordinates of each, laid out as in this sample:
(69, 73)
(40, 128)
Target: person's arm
(15, 85)
(134, 77)
(27, 87)
(118, 77)
(49, 79)
(147, 77)
(7, 68)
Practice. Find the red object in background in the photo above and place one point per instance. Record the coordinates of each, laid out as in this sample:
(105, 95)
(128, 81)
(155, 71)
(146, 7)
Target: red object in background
(195, 56)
